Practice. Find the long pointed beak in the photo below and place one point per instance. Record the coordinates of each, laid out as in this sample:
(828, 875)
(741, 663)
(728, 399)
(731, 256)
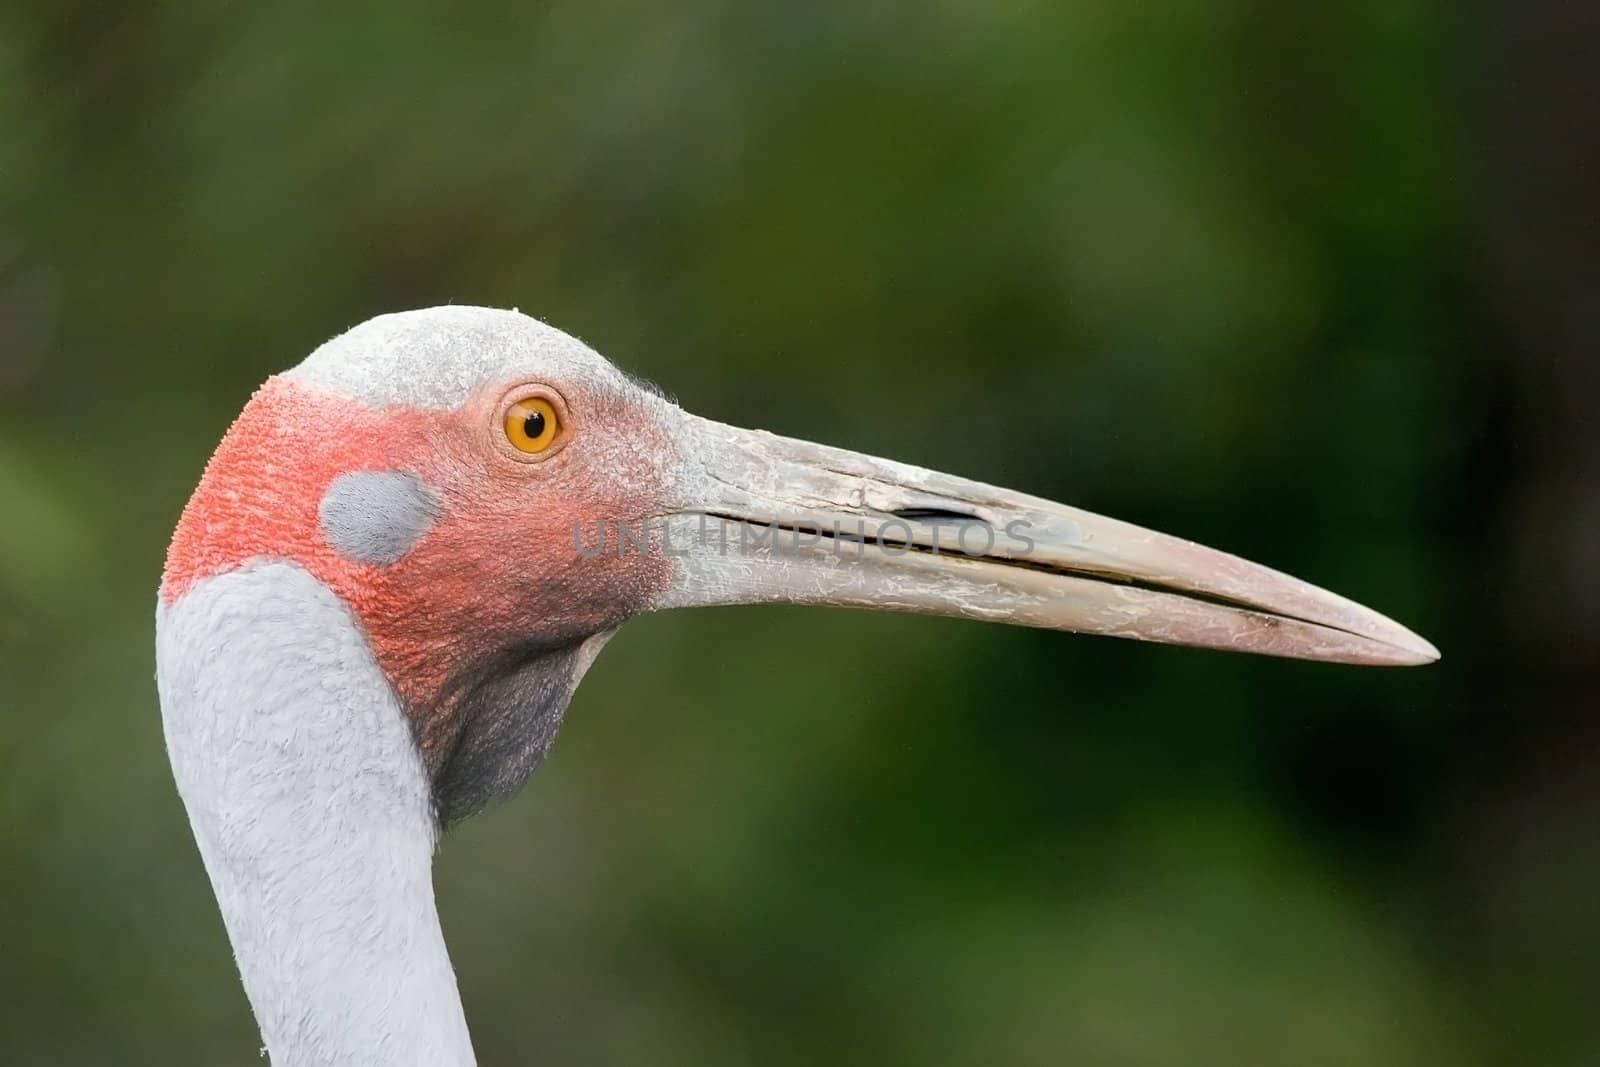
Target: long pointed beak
(759, 518)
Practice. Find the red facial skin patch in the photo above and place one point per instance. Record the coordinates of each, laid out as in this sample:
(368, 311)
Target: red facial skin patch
(499, 569)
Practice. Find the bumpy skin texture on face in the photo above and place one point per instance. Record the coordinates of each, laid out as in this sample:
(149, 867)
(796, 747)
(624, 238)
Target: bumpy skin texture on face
(449, 619)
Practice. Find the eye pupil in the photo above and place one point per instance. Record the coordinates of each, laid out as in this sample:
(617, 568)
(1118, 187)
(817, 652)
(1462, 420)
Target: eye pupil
(533, 424)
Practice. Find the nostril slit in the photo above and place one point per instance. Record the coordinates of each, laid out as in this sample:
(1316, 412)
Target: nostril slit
(934, 515)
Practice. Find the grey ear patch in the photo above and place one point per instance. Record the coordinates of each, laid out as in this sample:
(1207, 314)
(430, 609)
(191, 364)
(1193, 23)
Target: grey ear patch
(376, 516)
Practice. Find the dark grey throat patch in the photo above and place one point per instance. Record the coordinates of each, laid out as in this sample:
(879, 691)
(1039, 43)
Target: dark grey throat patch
(503, 723)
(376, 516)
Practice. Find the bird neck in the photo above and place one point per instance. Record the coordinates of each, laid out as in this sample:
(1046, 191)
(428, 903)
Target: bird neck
(312, 813)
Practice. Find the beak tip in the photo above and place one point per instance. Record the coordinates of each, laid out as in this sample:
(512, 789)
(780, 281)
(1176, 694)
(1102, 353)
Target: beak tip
(1417, 651)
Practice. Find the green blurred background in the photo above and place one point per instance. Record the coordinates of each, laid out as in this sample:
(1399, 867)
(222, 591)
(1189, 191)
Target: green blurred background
(1318, 283)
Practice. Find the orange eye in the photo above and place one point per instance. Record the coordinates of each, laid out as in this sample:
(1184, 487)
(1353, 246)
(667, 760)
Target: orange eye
(532, 424)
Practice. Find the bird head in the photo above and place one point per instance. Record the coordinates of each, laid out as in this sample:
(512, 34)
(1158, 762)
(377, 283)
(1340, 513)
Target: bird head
(491, 499)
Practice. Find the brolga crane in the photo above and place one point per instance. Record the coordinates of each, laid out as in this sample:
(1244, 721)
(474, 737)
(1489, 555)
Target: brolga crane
(407, 551)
